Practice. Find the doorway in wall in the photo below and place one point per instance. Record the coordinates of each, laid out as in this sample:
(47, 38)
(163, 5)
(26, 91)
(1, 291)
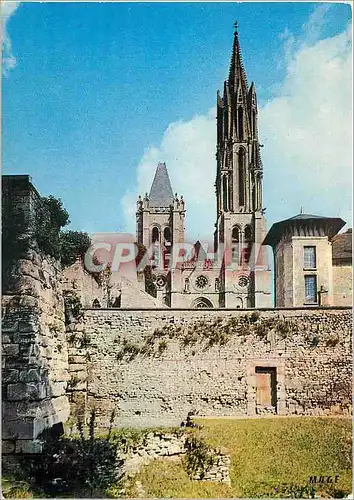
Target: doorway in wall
(266, 390)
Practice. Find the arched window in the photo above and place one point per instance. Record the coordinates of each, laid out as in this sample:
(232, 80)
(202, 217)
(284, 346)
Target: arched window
(254, 123)
(167, 236)
(248, 244)
(96, 303)
(259, 191)
(236, 234)
(117, 302)
(225, 193)
(235, 244)
(155, 235)
(202, 303)
(248, 234)
(240, 123)
(254, 195)
(241, 176)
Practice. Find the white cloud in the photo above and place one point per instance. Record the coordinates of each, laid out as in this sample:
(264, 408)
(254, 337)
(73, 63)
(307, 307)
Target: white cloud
(188, 148)
(307, 133)
(306, 130)
(7, 9)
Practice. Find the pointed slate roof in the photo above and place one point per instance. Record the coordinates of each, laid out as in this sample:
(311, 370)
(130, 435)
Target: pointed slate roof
(161, 194)
(237, 70)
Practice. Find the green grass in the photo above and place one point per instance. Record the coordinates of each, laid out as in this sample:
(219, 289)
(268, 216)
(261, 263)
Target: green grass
(13, 488)
(166, 478)
(265, 454)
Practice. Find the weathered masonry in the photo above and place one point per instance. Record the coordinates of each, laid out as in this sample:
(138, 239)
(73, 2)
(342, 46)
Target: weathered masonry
(34, 349)
(155, 366)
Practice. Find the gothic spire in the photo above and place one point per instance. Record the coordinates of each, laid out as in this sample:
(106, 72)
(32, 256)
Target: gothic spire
(161, 194)
(237, 71)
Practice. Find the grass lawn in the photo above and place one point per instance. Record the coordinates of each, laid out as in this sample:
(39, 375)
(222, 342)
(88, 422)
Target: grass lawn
(265, 454)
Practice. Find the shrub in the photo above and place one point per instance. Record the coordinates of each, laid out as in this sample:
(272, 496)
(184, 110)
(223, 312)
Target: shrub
(73, 308)
(51, 216)
(72, 245)
(199, 457)
(85, 466)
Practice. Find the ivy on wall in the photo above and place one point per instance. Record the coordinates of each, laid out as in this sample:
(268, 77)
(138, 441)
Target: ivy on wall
(207, 334)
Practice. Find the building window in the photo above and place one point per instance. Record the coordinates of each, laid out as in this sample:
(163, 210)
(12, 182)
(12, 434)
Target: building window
(201, 282)
(246, 252)
(241, 171)
(155, 235)
(310, 289)
(235, 247)
(240, 123)
(225, 194)
(310, 257)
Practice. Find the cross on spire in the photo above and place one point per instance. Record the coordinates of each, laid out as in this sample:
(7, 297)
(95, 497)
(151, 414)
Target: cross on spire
(236, 26)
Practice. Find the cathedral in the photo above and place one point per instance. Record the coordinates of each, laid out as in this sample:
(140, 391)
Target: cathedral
(312, 262)
(240, 277)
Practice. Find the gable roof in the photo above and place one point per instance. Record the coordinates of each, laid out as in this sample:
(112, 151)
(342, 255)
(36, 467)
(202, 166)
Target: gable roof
(161, 194)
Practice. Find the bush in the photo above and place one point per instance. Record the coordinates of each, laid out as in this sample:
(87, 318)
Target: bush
(72, 245)
(85, 466)
(51, 216)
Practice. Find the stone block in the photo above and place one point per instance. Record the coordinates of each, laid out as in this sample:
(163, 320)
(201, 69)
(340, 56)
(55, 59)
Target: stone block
(29, 301)
(7, 447)
(30, 375)
(9, 327)
(28, 446)
(10, 375)
(77, 360)
(27, 327)
(26, 391)
(77, 367)
(10, 349)
(6, 339)
(55, 389)
(23, 428)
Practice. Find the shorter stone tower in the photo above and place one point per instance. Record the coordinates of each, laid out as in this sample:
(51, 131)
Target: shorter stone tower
(302, 248)
(160, 225)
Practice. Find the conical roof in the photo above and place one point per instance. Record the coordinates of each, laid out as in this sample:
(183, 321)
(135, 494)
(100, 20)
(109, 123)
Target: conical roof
(161, 194)
(237, 71)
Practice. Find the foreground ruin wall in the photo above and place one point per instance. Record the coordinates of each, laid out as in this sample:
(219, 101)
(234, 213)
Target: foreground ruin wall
(34, 348)
(154, 366)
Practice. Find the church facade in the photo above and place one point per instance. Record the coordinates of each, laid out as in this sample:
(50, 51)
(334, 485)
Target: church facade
(239, 275)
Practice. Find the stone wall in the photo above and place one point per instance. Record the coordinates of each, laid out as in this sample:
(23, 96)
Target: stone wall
(75, 279)
(153, 367)
(343, 285)
(34, 351)
(34, 354)
(157, 445)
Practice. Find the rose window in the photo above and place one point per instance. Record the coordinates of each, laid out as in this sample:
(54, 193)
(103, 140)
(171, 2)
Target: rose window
(201, 282)
(243, 281)
(160, 281)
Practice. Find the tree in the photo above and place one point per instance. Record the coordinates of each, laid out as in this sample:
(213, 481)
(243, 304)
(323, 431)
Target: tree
(72, 245)
(51, 216)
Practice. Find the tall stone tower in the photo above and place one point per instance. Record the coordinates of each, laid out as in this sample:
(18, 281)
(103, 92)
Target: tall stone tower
(160, 224)
(241, 225)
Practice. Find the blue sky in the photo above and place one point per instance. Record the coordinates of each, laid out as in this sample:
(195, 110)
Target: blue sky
(97, 93)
